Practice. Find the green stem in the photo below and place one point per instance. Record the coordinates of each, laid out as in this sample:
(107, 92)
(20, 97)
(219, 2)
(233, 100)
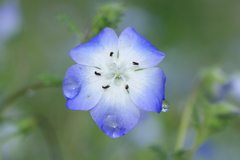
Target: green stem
(186, 117)
(12, 97)
(200, 138)
(50, 137)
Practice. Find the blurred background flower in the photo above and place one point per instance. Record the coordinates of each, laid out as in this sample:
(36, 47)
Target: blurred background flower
(10, 20)
(235, 86)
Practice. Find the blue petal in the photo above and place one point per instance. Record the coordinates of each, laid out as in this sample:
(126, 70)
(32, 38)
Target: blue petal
(96, 52)
(89, 92)
(135, 48)
(115, 114)
(72, 82)
(146, 89)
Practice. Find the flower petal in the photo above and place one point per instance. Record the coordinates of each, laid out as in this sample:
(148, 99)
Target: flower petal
(115, 114)
(146, 89)
(72, 82)
(97, 51)
(90, 91)
(135, 48)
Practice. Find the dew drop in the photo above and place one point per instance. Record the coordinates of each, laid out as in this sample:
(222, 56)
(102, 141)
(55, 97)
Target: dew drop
(112, 127)
(165, 106)
(71, 88)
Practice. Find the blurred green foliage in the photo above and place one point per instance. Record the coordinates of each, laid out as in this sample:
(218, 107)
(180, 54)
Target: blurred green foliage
(65, 19)
(220, 115)
(108, 15)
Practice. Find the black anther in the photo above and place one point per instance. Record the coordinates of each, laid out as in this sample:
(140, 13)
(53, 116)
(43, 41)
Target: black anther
(135, 63)
(111, 53)
(98, 74)
(105, 87)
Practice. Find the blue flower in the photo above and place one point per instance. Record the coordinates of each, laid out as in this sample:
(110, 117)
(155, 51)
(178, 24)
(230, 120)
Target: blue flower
(115, 78)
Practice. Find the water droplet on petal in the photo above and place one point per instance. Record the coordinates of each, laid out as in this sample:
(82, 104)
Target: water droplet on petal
(165, 106)
(112, 127)
(71, 88)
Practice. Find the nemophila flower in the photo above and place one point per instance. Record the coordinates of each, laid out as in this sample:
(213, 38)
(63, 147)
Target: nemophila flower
(115, 78)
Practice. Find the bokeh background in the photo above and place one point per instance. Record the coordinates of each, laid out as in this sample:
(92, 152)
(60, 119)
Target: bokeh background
(194, 35)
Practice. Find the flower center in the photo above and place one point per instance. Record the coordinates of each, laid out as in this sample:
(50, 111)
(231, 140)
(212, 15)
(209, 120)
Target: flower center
(116, 74)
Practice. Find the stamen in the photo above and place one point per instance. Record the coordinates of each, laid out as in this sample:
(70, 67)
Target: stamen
(105, 87)
(126, 86)
(98, 74)
(111, 53)
(135, 63)
(123, 79)
(113, 79)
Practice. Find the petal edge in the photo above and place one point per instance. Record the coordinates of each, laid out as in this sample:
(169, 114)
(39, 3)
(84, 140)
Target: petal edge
(133, 47)
(115, 114)
(148, 93)
(97, 50)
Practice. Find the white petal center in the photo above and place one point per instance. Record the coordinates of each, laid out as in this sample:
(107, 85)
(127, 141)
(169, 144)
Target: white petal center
(116, 73)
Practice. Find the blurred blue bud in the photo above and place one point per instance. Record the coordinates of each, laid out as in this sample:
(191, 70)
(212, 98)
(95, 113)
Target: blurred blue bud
(215, 84)
(10, 20)
(235, 86)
